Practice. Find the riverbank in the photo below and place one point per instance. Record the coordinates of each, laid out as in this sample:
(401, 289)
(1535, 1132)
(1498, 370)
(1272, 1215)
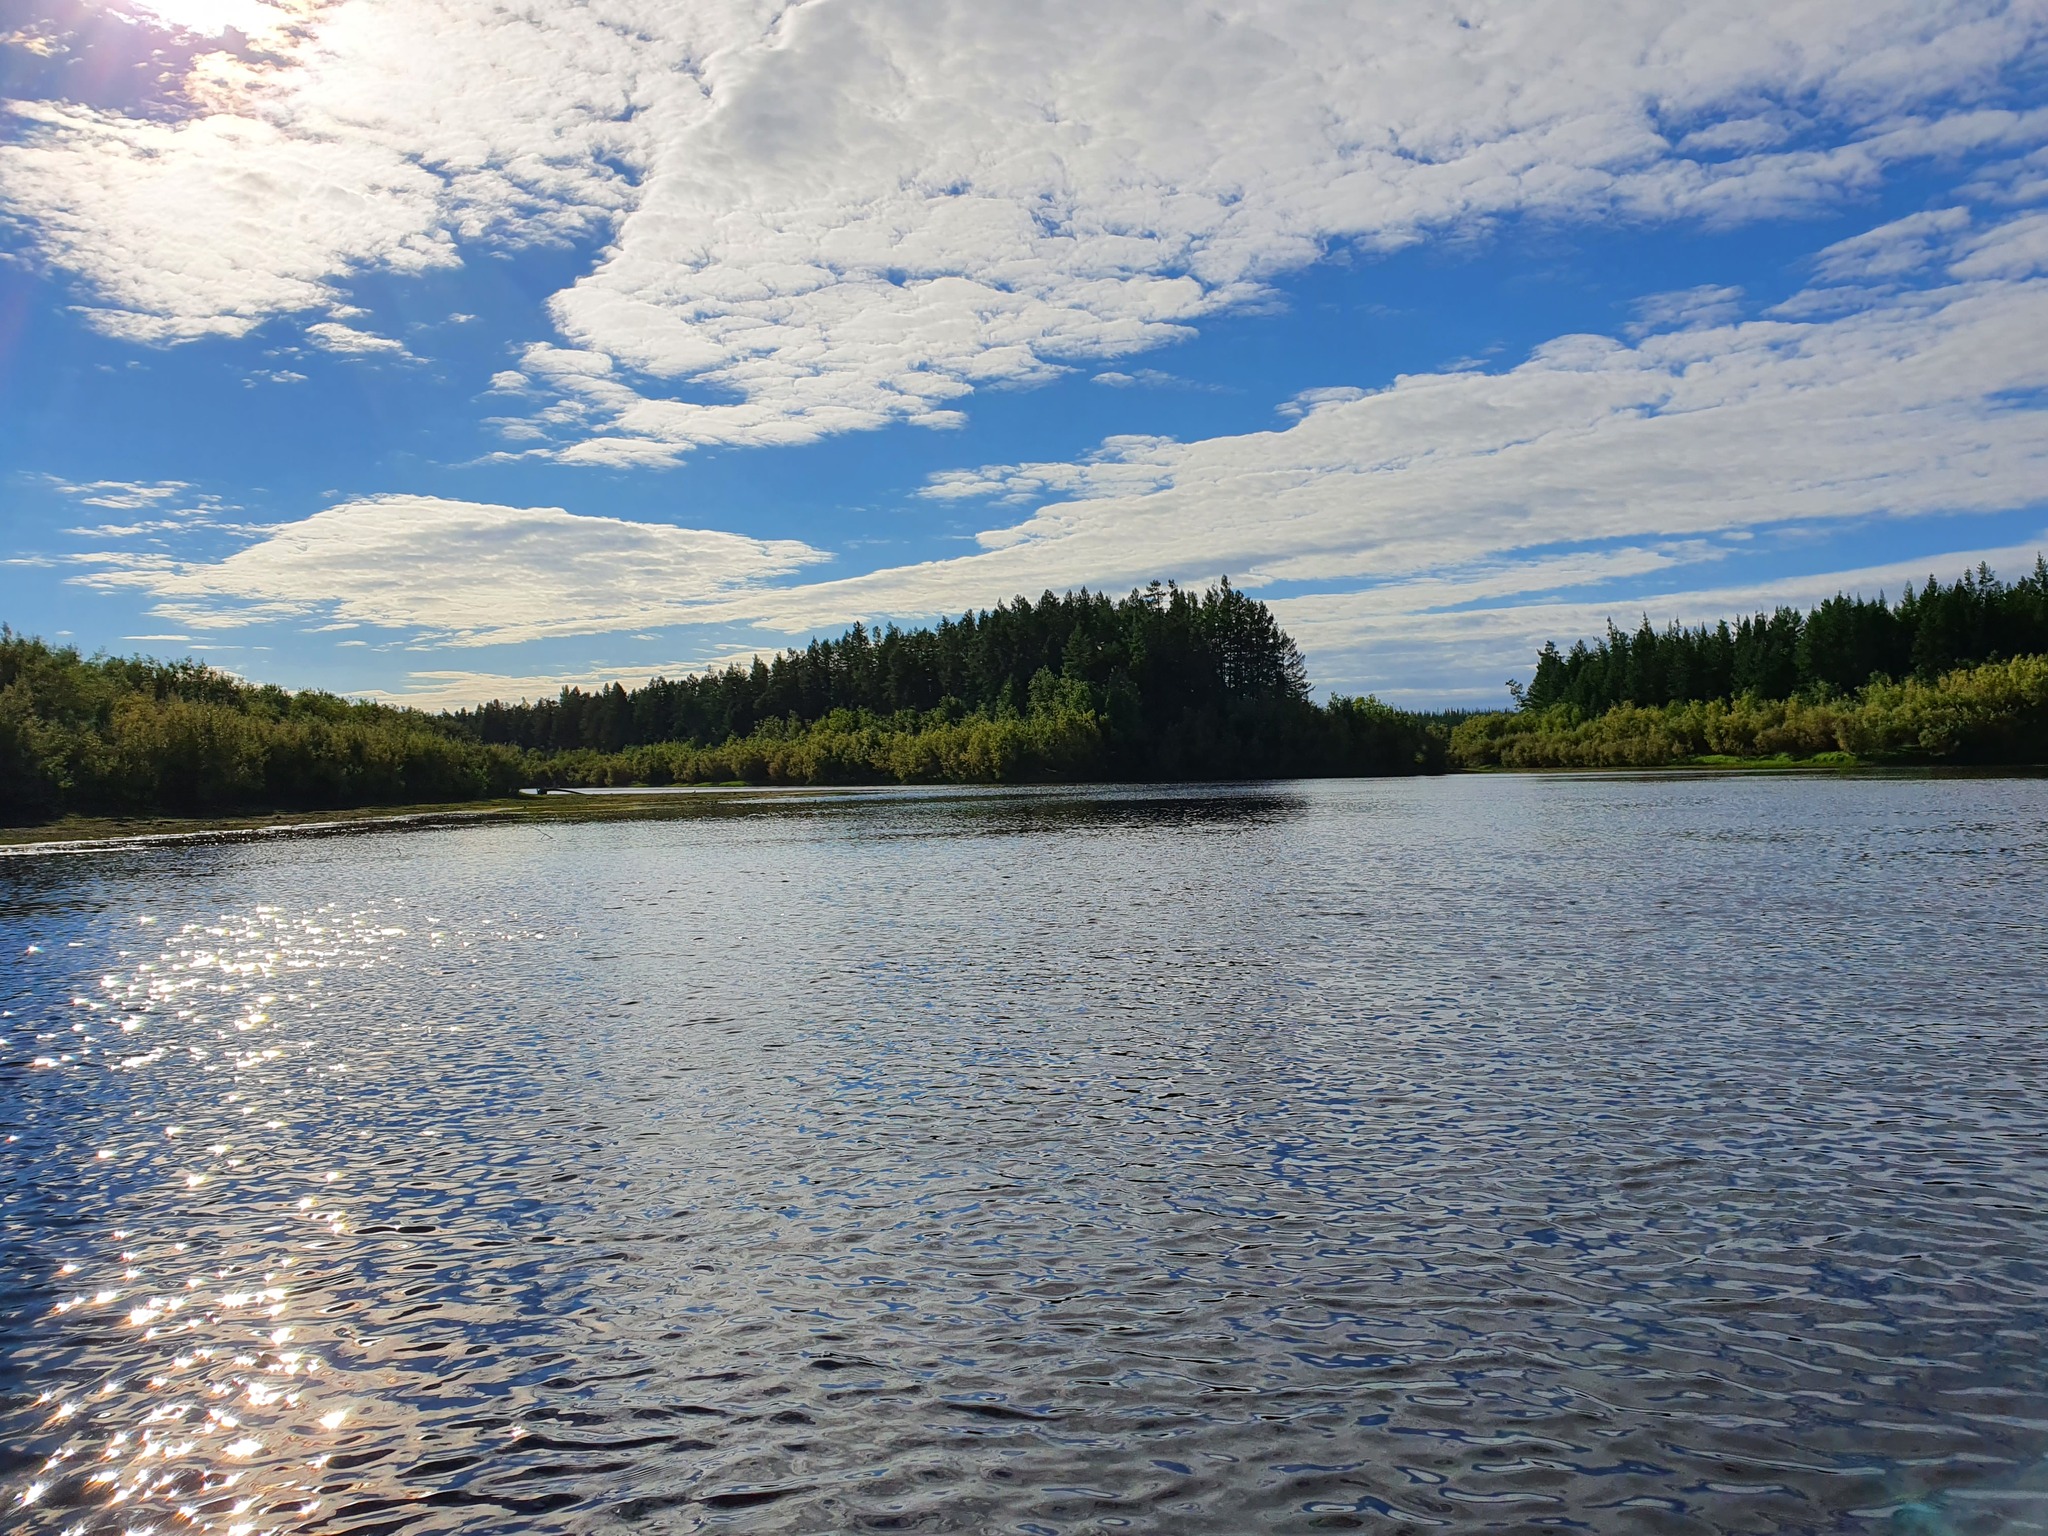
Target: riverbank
(640, 801)
(1994, 714)
(102, 831)
(88, 834)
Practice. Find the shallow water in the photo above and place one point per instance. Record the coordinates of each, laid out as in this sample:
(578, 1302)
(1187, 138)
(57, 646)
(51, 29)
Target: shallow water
(1632, 1155)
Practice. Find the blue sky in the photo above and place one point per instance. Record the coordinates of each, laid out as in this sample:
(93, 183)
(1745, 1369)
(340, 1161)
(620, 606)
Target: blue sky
(437, 352)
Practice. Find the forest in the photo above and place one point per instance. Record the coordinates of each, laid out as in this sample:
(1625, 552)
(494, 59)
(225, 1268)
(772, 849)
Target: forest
(1955, 673)
(1836, 648)
(1162, 684)
(1183, 685)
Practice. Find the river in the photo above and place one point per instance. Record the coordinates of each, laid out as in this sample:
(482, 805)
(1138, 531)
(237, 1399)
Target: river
(1485, 1153)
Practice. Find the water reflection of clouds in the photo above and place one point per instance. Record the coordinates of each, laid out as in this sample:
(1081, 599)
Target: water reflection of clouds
(808, 1163)
(48, 879)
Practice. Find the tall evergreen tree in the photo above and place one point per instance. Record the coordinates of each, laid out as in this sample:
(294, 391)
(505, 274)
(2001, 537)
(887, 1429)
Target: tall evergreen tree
(1838, 647)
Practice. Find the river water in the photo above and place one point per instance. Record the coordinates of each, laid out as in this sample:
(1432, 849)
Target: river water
(1499, 1153)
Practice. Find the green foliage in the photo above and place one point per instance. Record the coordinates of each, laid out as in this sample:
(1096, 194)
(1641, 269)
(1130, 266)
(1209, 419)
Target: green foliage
(1058, 737)
(1993, 713)
(1183, 685)
(1172, 684)
(1837, 648)
(1048, 744)
(1160, 685)
(1378, 740)
(125, 735)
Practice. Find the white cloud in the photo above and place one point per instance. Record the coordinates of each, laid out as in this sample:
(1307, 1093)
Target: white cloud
(120, 495)
(897, 204)
(1737, 135)
(1891, 251)
(456, 688)
(1128, 465)
(1708, 304)
(350, 342)
(212, 226)
(1314, 399)
(179, 507)
(40, 44)
(2014, 249)
(1923, 403)
(833, 215)
(1151, 378)
(1399, 641)
(259, 18)
(376, 135)
(463, 572)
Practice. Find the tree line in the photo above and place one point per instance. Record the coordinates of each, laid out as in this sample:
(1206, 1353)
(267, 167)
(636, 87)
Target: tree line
(1838, 647)
(1161, 684)
(1993, 713)
(1955, 673)
(119, 735)
(1179, 685)
(1149, 661)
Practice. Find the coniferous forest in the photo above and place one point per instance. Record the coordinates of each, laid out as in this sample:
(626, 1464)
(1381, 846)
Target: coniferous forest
(1945, 674)
(1181, 683)
(1162, 684)
(1835, 649)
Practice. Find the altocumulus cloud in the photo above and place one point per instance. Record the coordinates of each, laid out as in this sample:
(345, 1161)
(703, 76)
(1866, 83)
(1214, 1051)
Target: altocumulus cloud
(1922, 401)
(1591, 462)
(844, 213)
(460, 572)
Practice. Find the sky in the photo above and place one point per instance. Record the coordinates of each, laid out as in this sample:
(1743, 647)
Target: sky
(442, 350)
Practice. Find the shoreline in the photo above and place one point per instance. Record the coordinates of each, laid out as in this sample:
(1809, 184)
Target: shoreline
(90, 834)
(98, 834)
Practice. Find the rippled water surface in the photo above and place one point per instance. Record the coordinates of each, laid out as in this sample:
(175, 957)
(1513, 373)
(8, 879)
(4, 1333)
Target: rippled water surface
(1631, 1155)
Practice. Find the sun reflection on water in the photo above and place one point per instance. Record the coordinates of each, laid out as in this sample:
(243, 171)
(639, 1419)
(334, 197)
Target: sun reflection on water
(768, 1177)
(196, 1393)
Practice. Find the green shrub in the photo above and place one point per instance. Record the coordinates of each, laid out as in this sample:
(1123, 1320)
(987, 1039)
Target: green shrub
(1994, 713)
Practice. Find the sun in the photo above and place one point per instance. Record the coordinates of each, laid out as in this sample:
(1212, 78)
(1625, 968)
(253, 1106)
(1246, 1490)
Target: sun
(212, 17)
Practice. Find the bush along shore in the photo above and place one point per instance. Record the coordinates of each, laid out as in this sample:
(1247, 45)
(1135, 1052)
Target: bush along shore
(1992, 714)
(1163, 684)
(1955, 674)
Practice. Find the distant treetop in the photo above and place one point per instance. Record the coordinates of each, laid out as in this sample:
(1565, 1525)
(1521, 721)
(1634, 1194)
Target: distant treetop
(1836, 648)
